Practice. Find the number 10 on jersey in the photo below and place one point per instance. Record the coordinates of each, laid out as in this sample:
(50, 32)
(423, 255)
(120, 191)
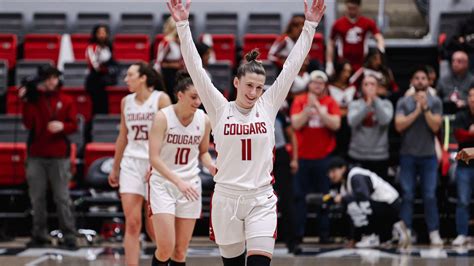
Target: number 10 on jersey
(246, 149)
(182, 156)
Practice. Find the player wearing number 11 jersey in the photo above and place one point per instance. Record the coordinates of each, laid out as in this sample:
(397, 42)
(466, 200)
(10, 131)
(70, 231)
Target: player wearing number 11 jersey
(131, 163)
(243, 215)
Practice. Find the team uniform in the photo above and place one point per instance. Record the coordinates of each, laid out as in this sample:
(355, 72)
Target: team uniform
(180, 153)
(243, 204)
(280, 48)
(350, 38)
(135, 164)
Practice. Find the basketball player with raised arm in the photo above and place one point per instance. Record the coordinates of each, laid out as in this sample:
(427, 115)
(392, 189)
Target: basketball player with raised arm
(243, 215)
(131, 163)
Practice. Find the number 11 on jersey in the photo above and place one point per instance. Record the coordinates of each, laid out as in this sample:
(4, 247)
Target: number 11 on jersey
(246, 149)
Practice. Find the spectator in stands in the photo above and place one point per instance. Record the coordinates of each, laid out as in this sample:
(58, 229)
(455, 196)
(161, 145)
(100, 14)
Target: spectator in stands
(343, 93)
(50, 117)
(371, 202)
(462, 41)
(350, 31)
(282, 46)
(432, 76)
(302, 79)
(168, 57)
(418, 119)
(205, 52)
(284, 167)
(102, 68)
(374, 65)
(453, 87)
(464, 132)
(369, 119)
(315, 116)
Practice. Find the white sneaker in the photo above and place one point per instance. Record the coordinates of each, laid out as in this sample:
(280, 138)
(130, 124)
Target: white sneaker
(460, 240)
(404, 236)
(435, 239)
(370, 241)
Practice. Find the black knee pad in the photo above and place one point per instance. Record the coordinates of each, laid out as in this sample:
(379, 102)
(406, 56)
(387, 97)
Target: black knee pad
(156, 262)
(258, 260)
(236, 261)
(175, 263)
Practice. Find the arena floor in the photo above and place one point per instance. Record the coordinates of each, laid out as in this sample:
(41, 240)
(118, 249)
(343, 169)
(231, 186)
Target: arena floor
(203, 252)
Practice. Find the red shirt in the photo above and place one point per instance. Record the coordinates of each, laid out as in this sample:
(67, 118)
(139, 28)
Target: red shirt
(315, 140)
(352, 36)
(37, 115)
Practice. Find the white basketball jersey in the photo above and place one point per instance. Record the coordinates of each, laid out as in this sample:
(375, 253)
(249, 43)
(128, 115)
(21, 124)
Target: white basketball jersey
(180, 148)
(138, 119)
(245, 145)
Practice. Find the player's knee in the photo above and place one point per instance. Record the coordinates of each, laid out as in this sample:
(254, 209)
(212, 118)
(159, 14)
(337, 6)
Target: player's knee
(164, 252)
(133, 226)
(180, 252)
(261, 246)
(232, 250)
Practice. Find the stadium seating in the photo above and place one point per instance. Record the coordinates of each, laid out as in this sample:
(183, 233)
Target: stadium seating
(132, 47)
(222, 23)
(75, 73)
(12, 23)
(42, 46)
(449, 23)
(80, 41)
(12, 163)
(261, 41)
(158, 38)
(27, 68)
(49, 23)
(12, 129)
(85, 22)
(136, 23)
(8, 49)
(3, 77)
(97, 150)
(105, 128)
(115, 95)
(264, 23)
(81, 99)
(221, 73)
(224, 47)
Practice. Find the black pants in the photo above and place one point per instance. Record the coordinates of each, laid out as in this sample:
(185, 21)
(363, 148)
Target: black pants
(373, 217)
(95, 85)
(284, 189)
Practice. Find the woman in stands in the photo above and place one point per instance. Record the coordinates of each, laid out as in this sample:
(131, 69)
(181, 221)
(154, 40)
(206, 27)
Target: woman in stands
(131, 164)
(282, 46)
(99, 58)
(179, 138)
(243, 215)
(168, 56)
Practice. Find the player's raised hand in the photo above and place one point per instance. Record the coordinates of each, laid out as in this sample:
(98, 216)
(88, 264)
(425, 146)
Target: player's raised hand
(178, 10)
(316, 11)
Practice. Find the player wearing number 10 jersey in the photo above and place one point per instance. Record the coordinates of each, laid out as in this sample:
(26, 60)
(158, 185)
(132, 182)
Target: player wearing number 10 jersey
(179, 138)
(131, 163)
(243, 215)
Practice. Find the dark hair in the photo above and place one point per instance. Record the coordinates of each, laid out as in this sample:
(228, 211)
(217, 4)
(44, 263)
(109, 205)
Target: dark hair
(355, 2)
(202, 48)
(294, 22)
(252, 66)
(337, 162)
(338, 68)
(183, 82)
(96, 28)
(48, 71)
(153, 78)
(420, 69)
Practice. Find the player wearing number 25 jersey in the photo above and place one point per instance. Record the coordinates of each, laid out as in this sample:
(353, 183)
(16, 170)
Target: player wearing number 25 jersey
(243, 215)
(131, 163)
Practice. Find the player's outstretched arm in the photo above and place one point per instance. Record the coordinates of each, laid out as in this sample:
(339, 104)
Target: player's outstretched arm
(210, 95)
(277, 93)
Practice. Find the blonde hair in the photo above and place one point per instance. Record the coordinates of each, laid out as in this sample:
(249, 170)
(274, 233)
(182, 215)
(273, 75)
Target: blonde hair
(169, 28)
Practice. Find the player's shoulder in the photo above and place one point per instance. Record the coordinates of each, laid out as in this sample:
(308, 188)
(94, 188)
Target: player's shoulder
(366, 20)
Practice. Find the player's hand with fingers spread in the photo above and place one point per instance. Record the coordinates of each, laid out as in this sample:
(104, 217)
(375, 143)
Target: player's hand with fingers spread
(177, 10)
(314, 12)
(188, 190)
(113, 178)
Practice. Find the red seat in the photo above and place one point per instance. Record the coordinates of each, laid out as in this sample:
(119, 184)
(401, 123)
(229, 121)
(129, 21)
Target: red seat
(12, 163)
(42, 46)
(158, 39)
(317, 48)
(8, 49)
(80, 42)
(261, 41)
(224, 47)
(132, 47)
(97, 150)
(115, 95)
(82, 99)
(14, 105)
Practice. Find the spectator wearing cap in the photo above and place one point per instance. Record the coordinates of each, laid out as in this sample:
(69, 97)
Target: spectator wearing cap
(369, 119)
(50, 117)
(315, 116)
